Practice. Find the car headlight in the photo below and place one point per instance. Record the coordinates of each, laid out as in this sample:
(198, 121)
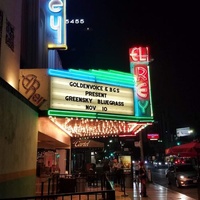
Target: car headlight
(181, 177)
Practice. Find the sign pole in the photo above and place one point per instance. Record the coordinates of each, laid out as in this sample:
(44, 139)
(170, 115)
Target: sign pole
(141, 146)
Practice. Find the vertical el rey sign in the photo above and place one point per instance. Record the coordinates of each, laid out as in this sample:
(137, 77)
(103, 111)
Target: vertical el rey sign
(55, 16)
(139, 60)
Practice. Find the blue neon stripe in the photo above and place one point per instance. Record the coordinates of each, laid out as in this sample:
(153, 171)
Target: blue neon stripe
(124, 80)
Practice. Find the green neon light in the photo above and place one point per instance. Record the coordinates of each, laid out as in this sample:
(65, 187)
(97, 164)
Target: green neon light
(117, 83)
(120, 72)
(150, 95)
(81, 71)
(61, 113)
(113, 71)
(113, 75)
(98, 76)
(123, 117)
(116, 78)
(108, 73)
(70, 75)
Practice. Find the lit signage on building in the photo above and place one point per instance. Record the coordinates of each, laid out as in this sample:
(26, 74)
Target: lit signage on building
(55, 11)
(153, 136)
(139, 54)
(86, 144)
(69, 94)
(97, 94)
(139, 60)
(182, 132)
(142, 81)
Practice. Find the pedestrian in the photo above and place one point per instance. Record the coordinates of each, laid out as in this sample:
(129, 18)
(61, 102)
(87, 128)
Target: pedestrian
(143, 179)
(117, 171)
(91, 175)
(136, 168)
(106, 172)
(114, 170)
(106, 167)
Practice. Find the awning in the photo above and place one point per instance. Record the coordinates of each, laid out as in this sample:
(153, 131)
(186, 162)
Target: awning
(191, 149)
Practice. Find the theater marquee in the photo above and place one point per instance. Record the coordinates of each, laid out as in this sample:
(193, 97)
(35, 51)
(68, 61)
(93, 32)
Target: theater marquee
(69, 94)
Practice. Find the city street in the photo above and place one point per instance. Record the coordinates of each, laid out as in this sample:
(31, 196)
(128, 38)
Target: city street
(158, 176)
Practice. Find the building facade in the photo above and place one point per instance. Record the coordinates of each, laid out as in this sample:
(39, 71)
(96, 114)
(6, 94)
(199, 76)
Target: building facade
(22, 46)
(36, 126)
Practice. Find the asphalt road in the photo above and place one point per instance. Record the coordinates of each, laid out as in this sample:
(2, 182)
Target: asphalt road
(158, 176)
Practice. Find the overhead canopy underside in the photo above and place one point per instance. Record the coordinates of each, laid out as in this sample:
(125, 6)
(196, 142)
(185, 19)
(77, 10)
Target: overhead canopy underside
(56, 132)
(94, 128)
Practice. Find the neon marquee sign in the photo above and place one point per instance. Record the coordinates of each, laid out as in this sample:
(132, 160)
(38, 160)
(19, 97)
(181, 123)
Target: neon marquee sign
(69, 94)
(55, 11)
(142, 81)
(139, 60)
(92, 91)
(139, 54)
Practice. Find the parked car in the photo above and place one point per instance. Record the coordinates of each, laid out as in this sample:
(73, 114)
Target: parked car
(182, 175)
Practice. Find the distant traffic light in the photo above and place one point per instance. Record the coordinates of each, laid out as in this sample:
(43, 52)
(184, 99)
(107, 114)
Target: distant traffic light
(178, 143)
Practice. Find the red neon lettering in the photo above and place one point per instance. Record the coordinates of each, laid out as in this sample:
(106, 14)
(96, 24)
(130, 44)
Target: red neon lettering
(142, 84)
(139, 54)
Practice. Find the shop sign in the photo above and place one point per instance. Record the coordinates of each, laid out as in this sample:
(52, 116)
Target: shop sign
(87, 144)
(139, 61)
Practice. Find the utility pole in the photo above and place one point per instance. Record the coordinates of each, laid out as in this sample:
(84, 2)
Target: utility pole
(141, 146)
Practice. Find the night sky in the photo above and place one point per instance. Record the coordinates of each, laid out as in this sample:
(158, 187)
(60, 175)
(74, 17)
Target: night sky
(170, 29)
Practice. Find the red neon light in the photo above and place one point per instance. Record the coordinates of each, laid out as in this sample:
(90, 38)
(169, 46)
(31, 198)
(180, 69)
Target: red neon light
(142, 81)
(127, 135)
(153, 136)
(139, 54)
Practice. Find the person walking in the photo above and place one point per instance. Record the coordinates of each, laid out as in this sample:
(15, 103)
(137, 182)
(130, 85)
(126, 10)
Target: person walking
(106, 172)
(119, 173)
(143, 179)
(136, 168)
(116, 169)
(106, 167)
(91, 175)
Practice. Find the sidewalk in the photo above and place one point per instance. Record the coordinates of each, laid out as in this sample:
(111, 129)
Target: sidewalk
(154, 192)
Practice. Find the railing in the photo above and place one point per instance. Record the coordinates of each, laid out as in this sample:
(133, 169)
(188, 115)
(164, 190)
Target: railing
(51, 189)
(95, 195)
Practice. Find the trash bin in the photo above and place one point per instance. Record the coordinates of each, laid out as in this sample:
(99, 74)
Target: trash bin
(80, 184)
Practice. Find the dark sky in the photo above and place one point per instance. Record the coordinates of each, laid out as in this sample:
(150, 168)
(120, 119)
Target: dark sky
(170, 29)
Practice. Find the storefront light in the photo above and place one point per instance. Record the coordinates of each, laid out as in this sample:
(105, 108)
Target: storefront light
(81, 127)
